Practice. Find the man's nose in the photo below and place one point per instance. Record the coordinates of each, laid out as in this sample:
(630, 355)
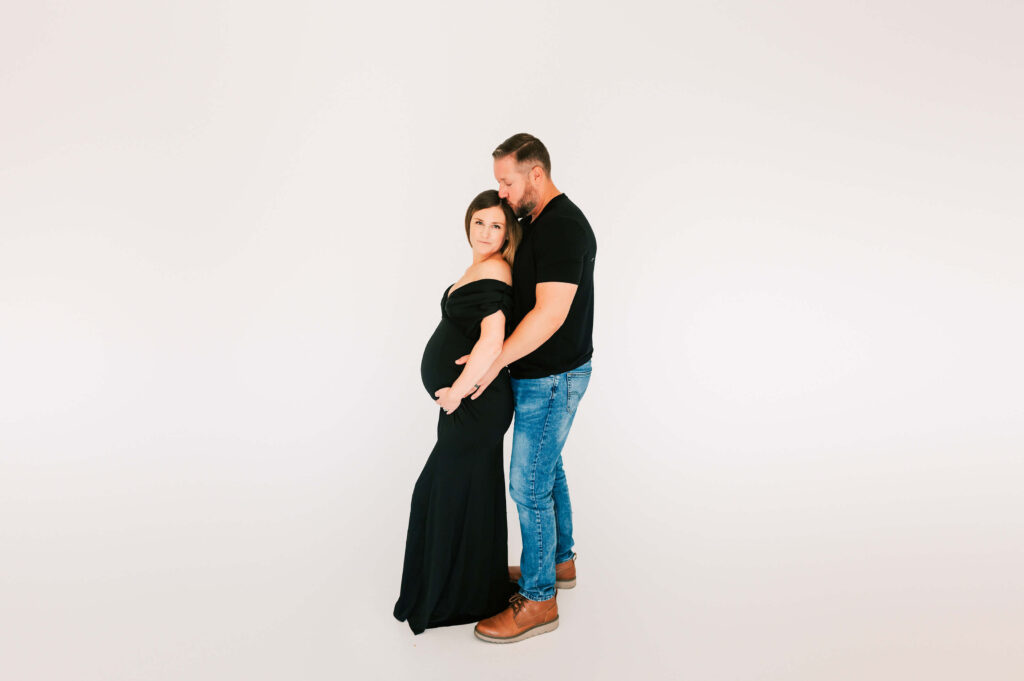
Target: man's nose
(502, 193)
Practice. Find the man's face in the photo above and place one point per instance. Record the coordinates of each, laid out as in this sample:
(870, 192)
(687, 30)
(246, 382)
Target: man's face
(514, 185)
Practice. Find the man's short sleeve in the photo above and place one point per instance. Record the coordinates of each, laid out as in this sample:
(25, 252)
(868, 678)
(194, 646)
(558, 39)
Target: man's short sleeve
(561, 251)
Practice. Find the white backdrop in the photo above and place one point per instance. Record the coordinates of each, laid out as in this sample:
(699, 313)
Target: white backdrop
(225, 228)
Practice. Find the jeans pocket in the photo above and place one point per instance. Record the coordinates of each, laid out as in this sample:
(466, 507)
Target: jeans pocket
(576, 384)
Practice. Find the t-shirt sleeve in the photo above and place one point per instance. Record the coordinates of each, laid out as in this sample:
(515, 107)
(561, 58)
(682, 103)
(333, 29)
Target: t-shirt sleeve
(561, 252)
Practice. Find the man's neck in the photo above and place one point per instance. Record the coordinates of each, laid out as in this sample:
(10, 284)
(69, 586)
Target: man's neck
(550, 192)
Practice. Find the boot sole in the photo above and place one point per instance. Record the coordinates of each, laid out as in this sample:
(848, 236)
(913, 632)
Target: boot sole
(535, 630)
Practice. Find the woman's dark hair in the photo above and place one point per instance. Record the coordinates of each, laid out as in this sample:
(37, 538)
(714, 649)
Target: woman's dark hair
(513, 231)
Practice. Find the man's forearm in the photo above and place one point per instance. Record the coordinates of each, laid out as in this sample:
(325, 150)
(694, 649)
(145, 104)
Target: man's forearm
(531, 333)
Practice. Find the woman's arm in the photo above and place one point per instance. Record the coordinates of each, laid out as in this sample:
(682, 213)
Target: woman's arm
(485, 351)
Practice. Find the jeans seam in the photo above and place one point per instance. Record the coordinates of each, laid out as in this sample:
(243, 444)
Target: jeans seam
(534, 462)
(568, 393)
(533, 472)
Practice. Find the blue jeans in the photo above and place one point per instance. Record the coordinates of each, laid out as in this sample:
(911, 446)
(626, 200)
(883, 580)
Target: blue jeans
(545, 408)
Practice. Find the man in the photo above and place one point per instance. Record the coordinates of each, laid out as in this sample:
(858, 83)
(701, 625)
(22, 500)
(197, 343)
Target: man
(548, 356)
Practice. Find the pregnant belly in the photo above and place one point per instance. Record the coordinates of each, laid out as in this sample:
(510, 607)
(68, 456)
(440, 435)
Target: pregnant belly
(438, 368)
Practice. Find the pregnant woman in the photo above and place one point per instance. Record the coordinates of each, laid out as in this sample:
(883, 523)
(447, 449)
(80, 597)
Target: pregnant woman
(456, 550)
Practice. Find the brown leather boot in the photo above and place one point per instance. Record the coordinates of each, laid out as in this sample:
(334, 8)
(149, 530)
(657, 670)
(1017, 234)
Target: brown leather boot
(522, 619)
(565, 573)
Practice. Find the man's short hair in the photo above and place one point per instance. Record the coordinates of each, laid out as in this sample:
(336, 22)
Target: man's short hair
(525, 148)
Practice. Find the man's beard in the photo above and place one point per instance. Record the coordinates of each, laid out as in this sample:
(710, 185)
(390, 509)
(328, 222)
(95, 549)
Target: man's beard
(527, 204)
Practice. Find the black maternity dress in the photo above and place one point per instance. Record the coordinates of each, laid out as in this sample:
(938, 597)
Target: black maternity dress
(456, 550)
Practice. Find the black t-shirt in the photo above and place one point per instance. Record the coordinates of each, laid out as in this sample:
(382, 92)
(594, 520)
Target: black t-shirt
(558, 246)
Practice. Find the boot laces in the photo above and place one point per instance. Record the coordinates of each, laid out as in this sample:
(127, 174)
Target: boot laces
(518, 602)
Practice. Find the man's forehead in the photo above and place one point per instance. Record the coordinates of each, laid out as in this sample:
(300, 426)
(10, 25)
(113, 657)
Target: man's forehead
(506, 166)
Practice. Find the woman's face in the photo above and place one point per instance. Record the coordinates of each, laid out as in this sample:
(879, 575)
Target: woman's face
(487, 231)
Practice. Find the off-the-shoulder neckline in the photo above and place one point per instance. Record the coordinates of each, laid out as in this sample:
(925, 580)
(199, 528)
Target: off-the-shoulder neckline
(450, 291)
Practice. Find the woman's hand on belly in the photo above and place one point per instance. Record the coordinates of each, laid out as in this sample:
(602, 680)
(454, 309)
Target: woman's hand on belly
(447, 400)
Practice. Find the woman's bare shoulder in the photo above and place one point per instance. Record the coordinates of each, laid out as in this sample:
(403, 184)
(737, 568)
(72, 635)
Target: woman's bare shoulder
(492, 268)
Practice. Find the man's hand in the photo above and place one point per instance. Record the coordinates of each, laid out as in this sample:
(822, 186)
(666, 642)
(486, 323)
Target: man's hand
(486, 379)
(446, 400)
